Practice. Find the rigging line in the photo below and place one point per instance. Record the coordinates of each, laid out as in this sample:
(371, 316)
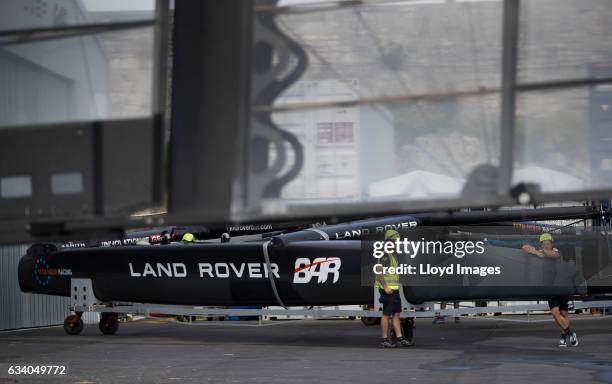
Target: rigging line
(319, 6)
(31, 35)
(374, 100)
(378, 44)
(570, 224)
(271, 275)
(322, 6)
(524, 87)
(317, 55)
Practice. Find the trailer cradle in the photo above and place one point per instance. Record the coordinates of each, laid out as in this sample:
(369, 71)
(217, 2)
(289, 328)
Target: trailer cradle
(83, 300)
(147, 309)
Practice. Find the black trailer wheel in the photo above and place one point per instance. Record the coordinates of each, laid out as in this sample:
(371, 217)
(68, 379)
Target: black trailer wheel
(73, 325)
(408, 329)
(370, 320)
(109, 323)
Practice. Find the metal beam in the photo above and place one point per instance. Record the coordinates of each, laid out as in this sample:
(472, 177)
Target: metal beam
(318, 312)
(160, 90)
(210, 103)
(508, 94)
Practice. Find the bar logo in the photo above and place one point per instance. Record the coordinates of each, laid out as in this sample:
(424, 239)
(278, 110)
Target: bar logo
(321, 268)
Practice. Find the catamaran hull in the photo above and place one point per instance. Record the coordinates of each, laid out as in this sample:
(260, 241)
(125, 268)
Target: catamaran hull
(304, 273)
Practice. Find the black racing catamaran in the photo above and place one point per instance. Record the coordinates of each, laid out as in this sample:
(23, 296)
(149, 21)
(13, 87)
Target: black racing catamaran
(326, 264)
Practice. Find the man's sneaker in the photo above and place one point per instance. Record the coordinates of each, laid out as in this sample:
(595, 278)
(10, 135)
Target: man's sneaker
(438, 320)
(387, 344)
(573, 339)
(404, 343)
(563, 341)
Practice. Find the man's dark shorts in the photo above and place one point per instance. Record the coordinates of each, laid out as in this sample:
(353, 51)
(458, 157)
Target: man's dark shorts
(392, 303)
(559, 301)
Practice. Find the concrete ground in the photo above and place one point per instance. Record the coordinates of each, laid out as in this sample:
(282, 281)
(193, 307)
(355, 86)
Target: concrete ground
(477, 350)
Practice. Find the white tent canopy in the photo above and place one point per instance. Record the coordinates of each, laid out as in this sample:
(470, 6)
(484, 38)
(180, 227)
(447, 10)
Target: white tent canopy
(417, 184)
(548, 179)
(424, 184)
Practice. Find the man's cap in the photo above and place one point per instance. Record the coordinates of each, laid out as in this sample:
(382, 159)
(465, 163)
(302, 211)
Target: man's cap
(391, 234)
(188, 238)
(546, 237)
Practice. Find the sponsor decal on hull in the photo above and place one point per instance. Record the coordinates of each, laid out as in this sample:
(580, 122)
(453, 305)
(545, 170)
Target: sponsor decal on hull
(359, 232)
(321, 268)
(43, 273)
(205, 270)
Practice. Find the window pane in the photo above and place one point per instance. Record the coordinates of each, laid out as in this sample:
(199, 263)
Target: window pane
(399, 48)
(564, 139)
(343, 133)
(561, 39)
(325, 134)
(15, 187)
(391, 151)
(102, 76)
(66, 183)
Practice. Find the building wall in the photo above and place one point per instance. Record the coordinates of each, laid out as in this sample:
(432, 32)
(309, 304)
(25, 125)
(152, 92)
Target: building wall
(21, 310)
(23, 82)
(54, 80)
(378, 160)
(338, 162)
